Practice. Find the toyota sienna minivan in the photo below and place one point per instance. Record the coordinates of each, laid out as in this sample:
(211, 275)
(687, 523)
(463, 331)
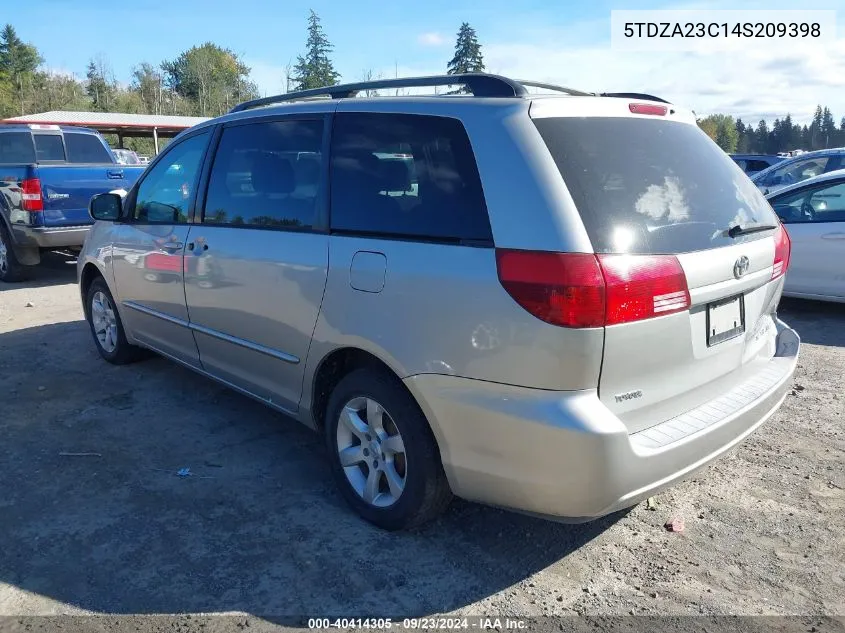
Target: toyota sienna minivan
(556, 304)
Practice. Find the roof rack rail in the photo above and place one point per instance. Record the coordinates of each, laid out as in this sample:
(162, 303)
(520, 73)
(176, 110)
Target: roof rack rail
(479, 84)
(633, 95)
(555, 88)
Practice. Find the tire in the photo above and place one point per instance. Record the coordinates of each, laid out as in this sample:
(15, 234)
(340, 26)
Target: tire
(115, 349)
(424, 493)
(11, 270)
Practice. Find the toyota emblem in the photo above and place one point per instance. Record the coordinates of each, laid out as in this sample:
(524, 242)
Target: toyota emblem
(741, 266)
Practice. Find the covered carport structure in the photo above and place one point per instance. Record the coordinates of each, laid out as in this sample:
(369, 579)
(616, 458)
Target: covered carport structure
(153, 126)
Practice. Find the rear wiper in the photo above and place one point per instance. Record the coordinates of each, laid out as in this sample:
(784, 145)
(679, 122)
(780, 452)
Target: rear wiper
(739, 229)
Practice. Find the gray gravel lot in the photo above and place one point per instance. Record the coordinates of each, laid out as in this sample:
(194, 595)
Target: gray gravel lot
(257, 527)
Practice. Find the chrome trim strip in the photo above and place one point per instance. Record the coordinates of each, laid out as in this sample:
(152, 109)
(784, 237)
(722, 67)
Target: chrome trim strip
(255, 347)
(156, 313)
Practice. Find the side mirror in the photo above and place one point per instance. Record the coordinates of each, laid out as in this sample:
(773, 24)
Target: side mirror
(106, 206)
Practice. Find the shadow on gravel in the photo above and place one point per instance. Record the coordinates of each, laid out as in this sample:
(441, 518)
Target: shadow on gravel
(94, 513)
(817, 322)
(55, 269)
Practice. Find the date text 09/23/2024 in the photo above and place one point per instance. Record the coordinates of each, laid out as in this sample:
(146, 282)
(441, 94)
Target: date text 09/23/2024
(430, 623)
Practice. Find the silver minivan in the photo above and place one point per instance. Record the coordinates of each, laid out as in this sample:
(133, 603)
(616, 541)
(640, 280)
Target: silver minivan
(526, 301)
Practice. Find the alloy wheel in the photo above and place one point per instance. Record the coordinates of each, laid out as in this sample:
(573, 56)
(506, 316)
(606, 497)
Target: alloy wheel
(371, 452)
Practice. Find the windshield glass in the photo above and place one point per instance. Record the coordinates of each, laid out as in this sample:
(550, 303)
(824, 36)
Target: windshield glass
(652, 186)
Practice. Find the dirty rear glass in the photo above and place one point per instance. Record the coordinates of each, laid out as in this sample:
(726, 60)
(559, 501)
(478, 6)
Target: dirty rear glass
(652, 186)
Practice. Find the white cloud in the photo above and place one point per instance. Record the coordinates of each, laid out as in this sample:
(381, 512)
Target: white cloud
(431, 39)
(751, 84)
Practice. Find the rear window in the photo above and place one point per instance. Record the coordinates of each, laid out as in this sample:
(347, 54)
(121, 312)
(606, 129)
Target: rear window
(652, 186)
(406, 175)
(85, 148)
(16, 147)
(49, 147)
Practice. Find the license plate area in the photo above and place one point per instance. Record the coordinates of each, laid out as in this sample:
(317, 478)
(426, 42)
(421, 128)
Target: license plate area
(725, 319)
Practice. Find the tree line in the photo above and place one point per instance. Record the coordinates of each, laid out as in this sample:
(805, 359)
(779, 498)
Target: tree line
(784, 135)
(208, 80)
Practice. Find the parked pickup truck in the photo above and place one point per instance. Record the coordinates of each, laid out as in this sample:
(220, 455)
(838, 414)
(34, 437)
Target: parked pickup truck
(48, 174)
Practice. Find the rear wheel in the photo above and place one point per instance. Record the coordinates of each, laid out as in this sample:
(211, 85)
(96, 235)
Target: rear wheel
(106, 326)
(11, 269)
(383, 455)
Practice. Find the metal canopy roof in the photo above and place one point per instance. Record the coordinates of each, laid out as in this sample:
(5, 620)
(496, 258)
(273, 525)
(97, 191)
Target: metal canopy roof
(114, 122)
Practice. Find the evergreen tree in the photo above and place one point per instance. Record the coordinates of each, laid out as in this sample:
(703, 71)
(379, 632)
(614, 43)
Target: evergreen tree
(101, 90)
(315, 69)
(742, 146)
(815, 129)
(468, 57)
(761, 137)
(18, 63)
(827, 131)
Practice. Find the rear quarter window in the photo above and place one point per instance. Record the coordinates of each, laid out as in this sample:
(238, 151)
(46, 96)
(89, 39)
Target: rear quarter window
(49, 147)
(85, 148)
(410, 176)
(16, 147)
(652, 186)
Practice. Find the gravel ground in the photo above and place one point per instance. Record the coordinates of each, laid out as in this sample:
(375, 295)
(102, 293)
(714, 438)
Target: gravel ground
(257, 528)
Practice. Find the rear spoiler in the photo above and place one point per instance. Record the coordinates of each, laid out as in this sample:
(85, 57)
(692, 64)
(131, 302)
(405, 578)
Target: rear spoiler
(632, 95)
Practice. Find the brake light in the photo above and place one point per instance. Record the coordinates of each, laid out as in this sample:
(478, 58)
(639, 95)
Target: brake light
(783, 247)
(643, 286)
(564, 289)
(32, 200)
(581, 290)
(648, 108)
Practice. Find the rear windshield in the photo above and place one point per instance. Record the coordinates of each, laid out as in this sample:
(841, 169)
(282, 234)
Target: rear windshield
(16, 147)
(652, 186)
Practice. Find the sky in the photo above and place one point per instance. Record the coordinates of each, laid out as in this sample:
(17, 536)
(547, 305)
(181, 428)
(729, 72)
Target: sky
(558, 41)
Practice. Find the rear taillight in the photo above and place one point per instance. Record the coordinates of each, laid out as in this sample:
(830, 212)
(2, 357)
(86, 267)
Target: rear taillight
(581, 290)
(32, 199)
(643, 286)
(648, 108)
(782, 250)
(559, 288)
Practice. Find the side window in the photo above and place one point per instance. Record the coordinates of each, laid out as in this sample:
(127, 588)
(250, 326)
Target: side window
(266, 174)
(753, 166)
(16, 147)
(85, 148)
(406, 175)
(166, 191)
(797, 171)
(824, 204)
(49, 147)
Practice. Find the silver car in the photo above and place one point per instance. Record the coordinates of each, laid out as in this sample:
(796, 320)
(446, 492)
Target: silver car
(799, 168)
(525, 301)
(814, 213)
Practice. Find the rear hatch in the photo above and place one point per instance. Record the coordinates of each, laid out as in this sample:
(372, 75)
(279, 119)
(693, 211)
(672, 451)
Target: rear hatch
(690, 300)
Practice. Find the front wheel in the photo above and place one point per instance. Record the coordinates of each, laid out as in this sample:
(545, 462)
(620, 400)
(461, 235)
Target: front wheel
(383, 454)
(106, 326)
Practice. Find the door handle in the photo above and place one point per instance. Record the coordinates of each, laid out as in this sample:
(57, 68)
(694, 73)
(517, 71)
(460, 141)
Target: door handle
(172, 247)
(834, 236)
(115, 174)
(202, 247)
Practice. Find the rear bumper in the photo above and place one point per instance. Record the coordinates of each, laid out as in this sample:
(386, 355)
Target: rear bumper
(565, 455)
(50, 237)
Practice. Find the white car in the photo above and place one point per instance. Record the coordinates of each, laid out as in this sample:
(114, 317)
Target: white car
(814, 214)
